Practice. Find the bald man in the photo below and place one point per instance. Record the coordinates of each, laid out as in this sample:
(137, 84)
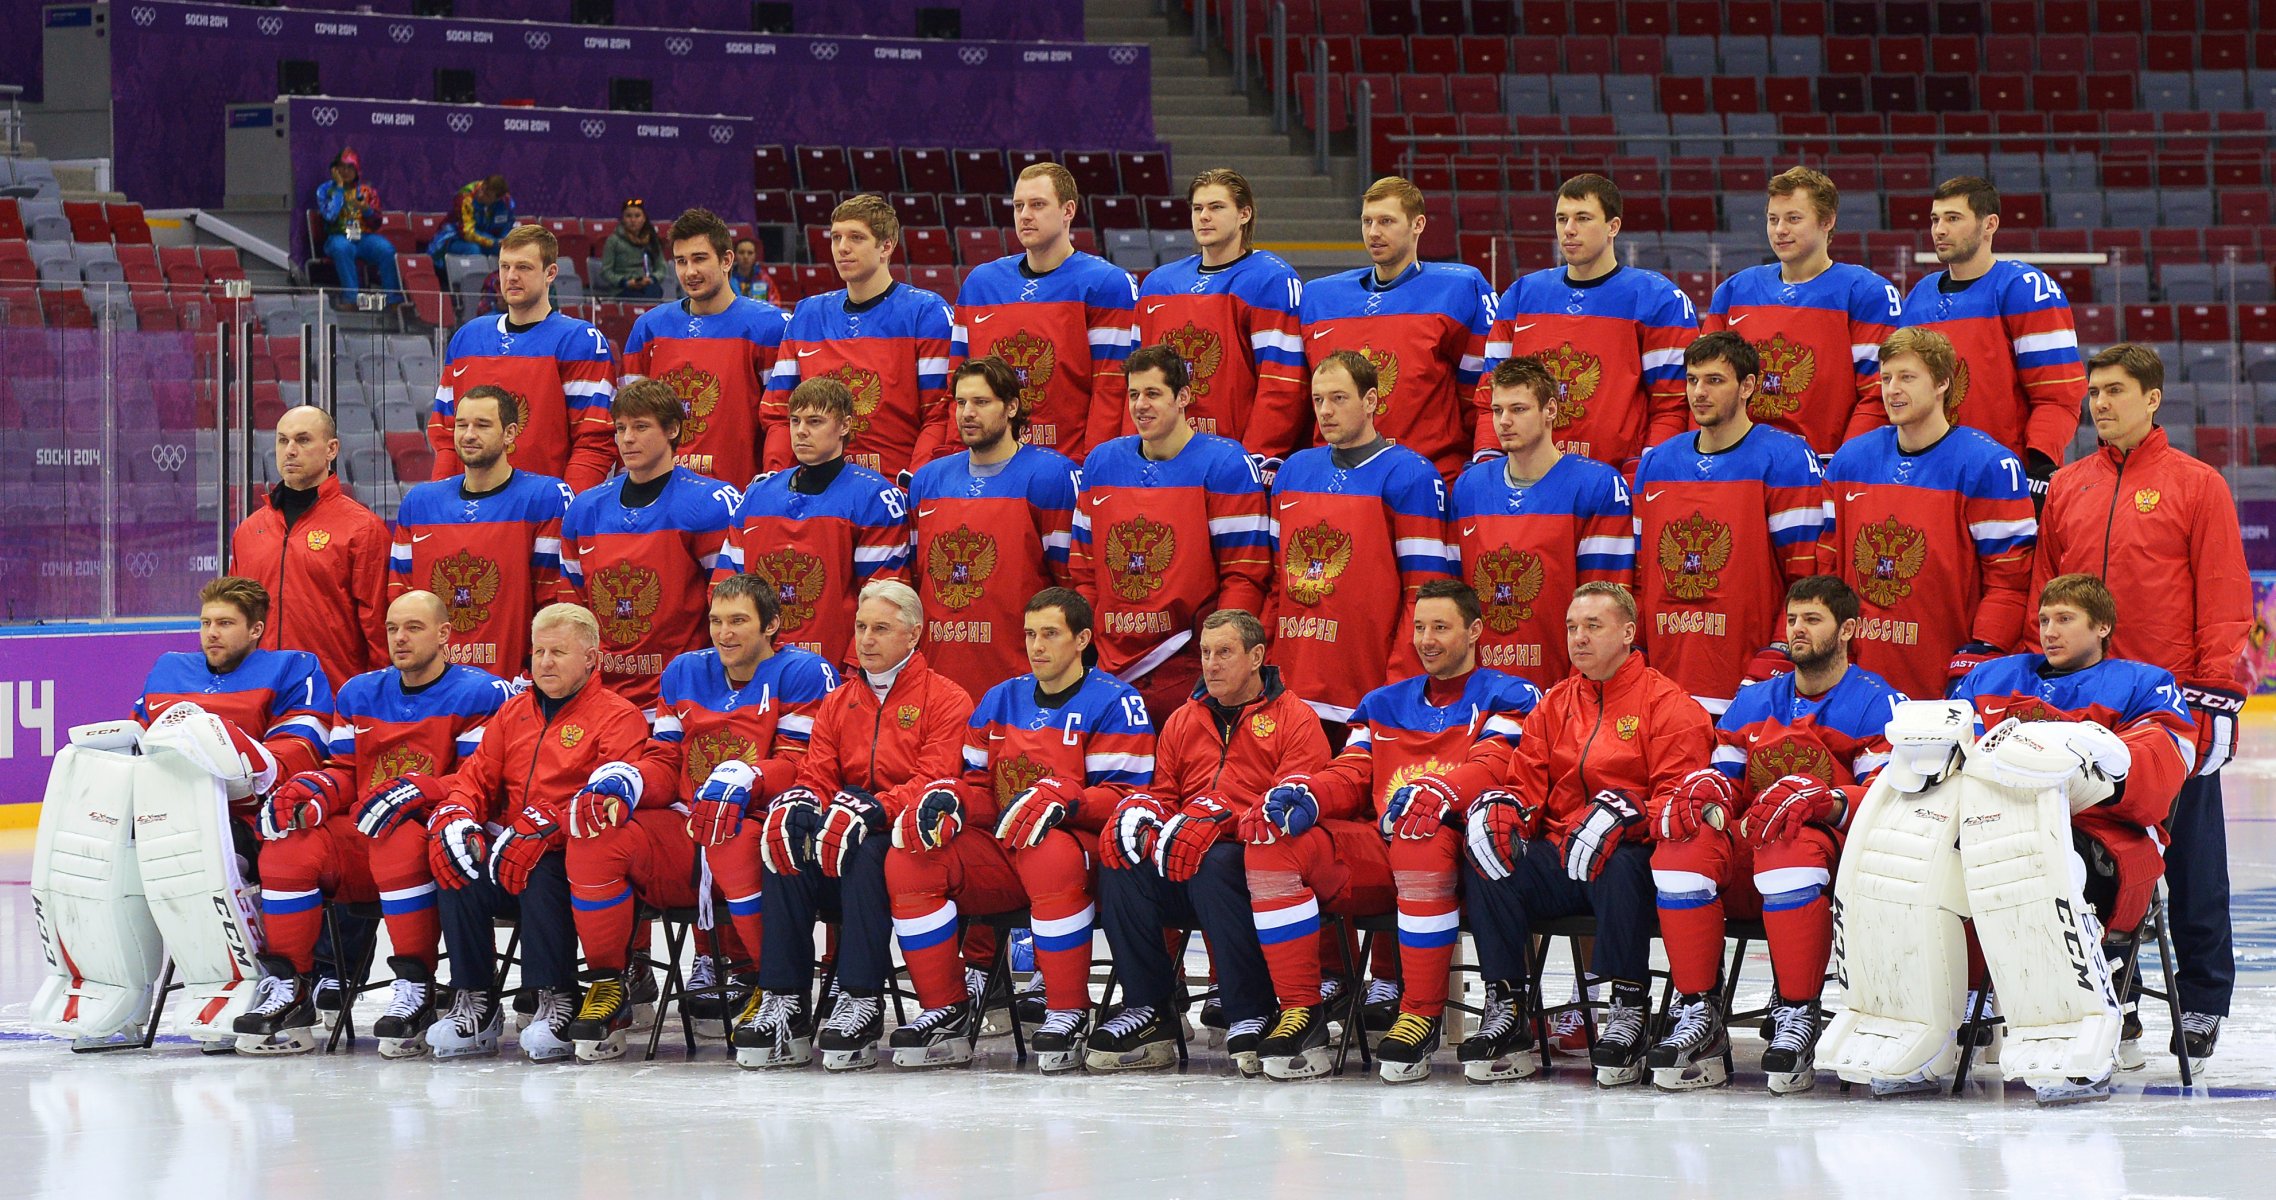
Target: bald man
(356, 829)
(321, 555)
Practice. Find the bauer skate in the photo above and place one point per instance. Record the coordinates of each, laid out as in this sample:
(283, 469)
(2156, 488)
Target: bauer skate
(774, 1031)
(283, 1017)
(848, 1038)
(1501, 1047)
(1058, 1041)
(1619, 1053)
(1791, 1059)
(469, 1029)
(1691, 1055)
(1403, 1056)
(1297, 1047)
(1242, 1038)
(939, 1037)
(1136, 1039)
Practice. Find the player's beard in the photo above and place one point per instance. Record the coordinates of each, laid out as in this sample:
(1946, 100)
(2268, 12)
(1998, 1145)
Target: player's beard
(1961, 251)
(1816, 658)
(484, 460)
(229, 662)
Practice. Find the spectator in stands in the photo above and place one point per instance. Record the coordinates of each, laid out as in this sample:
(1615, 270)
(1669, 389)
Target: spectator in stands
(349, 209)
(481, 214)
(321, 555)
(631, 256)
(749, 277)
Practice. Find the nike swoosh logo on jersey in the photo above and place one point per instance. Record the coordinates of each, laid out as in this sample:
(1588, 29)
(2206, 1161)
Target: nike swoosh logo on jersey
(1151, 309)
(1523, 328)
(1285, 505)
(1384, 737)
(420, 537)
(926, 512)
(1469, 530)
(982, 318)
(1321, 334)
(455, 372)
(808, 353)
(1098, 499)
(1851, 495)
(1735, 320)
(1654, 495)
(364, 729)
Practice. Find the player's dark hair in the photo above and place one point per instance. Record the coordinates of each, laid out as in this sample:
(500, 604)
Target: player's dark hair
(1237, 185)
(825, 394)
(2085, 593)
(1462, 594)
(1242, 620)
(1159, 358)
(1073, 609)
(509, 411)
(1982, 197)
(1002, 381)
(245, 595)
(703, 223)
(652, 398)
(2134, 359)
(1354, 364)
(1593, 187)
(757, 589)
(1828, 590)
(1725, 346)
(1526, 372)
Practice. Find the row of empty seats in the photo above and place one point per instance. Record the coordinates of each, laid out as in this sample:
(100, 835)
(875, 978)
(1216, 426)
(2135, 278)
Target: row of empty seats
(1846, 18)
(988, 172)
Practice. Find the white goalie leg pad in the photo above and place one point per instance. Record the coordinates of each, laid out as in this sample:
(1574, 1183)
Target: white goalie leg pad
(101, 946)
(2041, 941)
(209, 915)
(1898, 943)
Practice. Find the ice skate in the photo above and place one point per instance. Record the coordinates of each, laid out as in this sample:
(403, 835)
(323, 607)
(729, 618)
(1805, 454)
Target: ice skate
(283, 1018)
(1501, 1047)
(2198, 1035)
(1691, 1055)
(402, 1026)
(1138, 1038)
(1058, 1041)
(603, 1019)
(713, 996)
(469, 1028)
(939, 1037)
(774, 1030)
(1241, 1041)
(1403, 1056)
(848, 1038)
(2073, 1091)
(1297, 1046)
(1791, 1058)
(1619, 1053)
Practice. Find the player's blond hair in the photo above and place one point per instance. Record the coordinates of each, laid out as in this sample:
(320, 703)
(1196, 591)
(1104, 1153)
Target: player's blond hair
(572, 616)
(548, 249)
(873, 211)
(1825, 198)
(822, 395)
(1928, 346)
(1062, 180)
(1621, 597)
(1395, 187)
(246, 596)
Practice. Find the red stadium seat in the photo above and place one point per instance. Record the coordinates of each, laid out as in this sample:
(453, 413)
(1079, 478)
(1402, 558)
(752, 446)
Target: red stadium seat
(1902, 55)
(1691, 214)
(1698, 18)
(128, 228)
(1117, 212)
(1653, 17)
(1588, 55)
(1485, 55)
(1094, 171)
(180, 265)
(1546, 19)
(1595, 20)
(812, 208)
(1849, 56)
(2148, 322)
(11, 219)
(16, 263)
(1475, 93)
(2109, 92)
(1636, 176)
(877, 169)
(1953, 54)
(818, 244)
(2121, 16)
(1536, 56)
(2203, 322)
(87, 221)
(928, 246)
(1802, 20)
(941, 281)
(978, 245)
(982, 171)
(1382, 55)
(773, 208)
(1167, 212)
(917, 208)
(1787, 95)
(2256, 322)
(927, 170)
(772, 169)
(1735, 94)
(2097, 323)
(1496, 17)
(824, 169)
(1683, 94)
(1434, 55)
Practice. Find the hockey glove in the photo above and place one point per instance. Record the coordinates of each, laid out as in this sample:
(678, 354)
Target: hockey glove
(1965, 659)
(1499, 826)
(852, 816)
(1610, 815)
(1417, 811)
(1132, 830)
(2215, 712)
(2040, 470)
(722, 803)
(932, 821)
(1789, 803)
(535, 831)
(793, 820)
(260, 766)
(606, 800)
(1266, 466)
(300, 802)
(458, 847)
(1703, 798)
(1924, 740)
(1187, 837)
(1289, 809)
(1769, 663)
(405, 796)
(1036, 812)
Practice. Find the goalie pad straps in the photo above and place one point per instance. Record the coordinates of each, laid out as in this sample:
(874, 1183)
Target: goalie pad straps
(1898, 944)
(207, 913)
(101, 946)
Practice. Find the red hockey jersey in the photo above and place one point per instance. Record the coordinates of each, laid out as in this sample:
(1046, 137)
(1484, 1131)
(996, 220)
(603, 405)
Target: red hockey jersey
(1097, 738)
(1524, 550)
(558, 371)
(1820, 343)
(1614, 344)
(277, 696)
(1065, 331)
(703, 721)
(891, 352)
(647, 572)
(1237, 329)
(718, 366)
(2020, 378)
(981, 544)
(382, 731)
(818, 550)
(1399, 736)
(493, 558)
(1425, 331)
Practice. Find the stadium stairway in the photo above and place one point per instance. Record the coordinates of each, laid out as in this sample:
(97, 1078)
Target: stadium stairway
(1309, 219)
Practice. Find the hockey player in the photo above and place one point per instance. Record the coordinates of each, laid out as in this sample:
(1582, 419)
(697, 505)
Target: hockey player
(555, 367)
(1726, 518)
(1932, 526)
(1230, 312)
(1420, 327)
(320, 555)
(1612, 336)
(1817, 324)
(879, 742)
(885, 341)
(488, 542)
(1565, 832)
(277, 702)
(2011, 327)
(1063, 320)
(643, 549)
(355, 829)
(1048, 757)
(1417, 748)
(1794, 755)
(732, 725)
(821, 530)
(988, 529)
(551, 769)
(1169, 526)
(1347, 519)
(1533, 524)
(2161, 528)
(715, 350)
(1174, 853)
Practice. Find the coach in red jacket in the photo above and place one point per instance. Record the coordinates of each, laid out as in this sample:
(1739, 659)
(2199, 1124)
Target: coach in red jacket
(321, 556)
(2159, 528)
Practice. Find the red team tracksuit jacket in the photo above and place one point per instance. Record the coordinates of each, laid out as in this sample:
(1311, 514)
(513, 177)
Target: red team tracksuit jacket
(703, 722)
(892, 353)
(719, 366)
(1614, 344)
(891, 747)
(1820, 343)
(1066, 332)
(1238, 330)
(647, 572)
(1096, 739)
(493, 558)
(981, 545)
(1160, 545)
(1340, 536)
(1637, 732)
(2020, 378)
(2134, 700)
(381, 732)
(1720, 537)
(1937, 546)
(1425, 332)
(326, 577)
(1524, 550)
(817, 551)
(558, 373)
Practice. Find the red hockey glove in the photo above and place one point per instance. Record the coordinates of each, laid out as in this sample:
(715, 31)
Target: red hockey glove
(1132, 831)
(300, 802)
(852, 816)
(403, 797)
(2215, 712)
(1790, 802)
(1416, 811)
(1037, 811)
(458, 847)
(1769, 663)
(933, 821)
(722, 803)
(1965, 659)
(1705, 797)
(1187, 837)
(536, 830)
(606, 801)
(793, 820)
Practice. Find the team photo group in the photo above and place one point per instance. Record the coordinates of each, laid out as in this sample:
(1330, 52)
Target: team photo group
(902, 639)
